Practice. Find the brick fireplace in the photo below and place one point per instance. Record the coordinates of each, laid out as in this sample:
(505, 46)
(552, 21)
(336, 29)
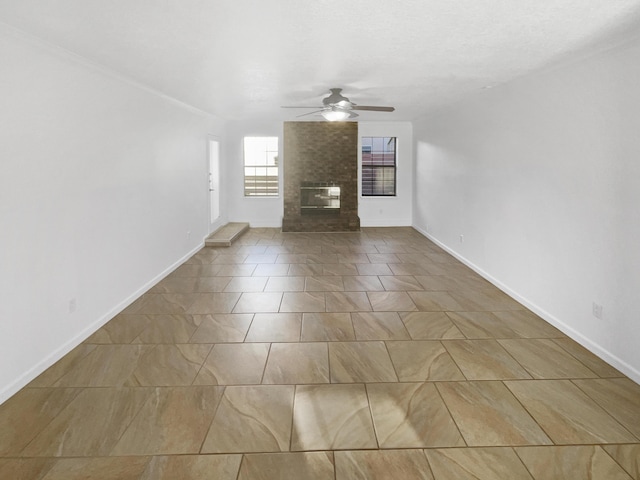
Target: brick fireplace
(320, 177)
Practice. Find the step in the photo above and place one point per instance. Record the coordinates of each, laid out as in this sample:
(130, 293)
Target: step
(226, 235)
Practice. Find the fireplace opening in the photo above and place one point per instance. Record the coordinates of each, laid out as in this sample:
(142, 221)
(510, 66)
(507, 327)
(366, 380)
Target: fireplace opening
(319, 198)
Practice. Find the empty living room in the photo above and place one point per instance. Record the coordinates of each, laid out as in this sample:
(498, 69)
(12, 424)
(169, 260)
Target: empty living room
(246, 240)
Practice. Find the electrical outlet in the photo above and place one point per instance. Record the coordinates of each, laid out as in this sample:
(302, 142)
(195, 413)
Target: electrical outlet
(188, 234)
(597, 310)
(461, 238)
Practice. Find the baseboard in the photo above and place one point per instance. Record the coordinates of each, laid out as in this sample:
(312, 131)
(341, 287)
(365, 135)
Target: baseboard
(586, 342)
(60, 352)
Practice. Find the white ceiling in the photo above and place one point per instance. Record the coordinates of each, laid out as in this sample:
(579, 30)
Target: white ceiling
(244, 58)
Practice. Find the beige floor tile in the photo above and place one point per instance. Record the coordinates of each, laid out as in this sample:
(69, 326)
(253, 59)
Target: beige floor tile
(324, 283)
(322, 258)
(174, 420)
(302, 465)
(297, 363)
(353, 258)
(480, 325)
(175, 285)
(484, 300)
(234, 364)
(285, 284)
(627, 456)
(434, 301)
(252, 419)
(207, 303)
(489, 463)
(543, 358)
(100, 468)
(212, 284)
(437, 283)
(620, 397)
(303, 302)
(332, 417)
(91, 424)
(222, 328)
(421, 361)
(29, 411)
(383, 258)
(347, 302)
(306, 269)
(487, 414)
(161, 303)
(169, 329)
(528, 324)
(69, 362)
(292, 258)
(211, 270)
(571, 463)
(193, 467)
(391, 302)
(355, 362)
(484, 360)
(327, 327)
(346, 269)
(166, 365)
(246, 284)
(430, 326)
(408, 269)
(591, 361)
(373, 269)
(261, 258)
(105, 366)
(238, 270)
(382, 464)
(258, 302)
(269, 270)
(360, 283)
(25, 468)
(187, 270)
(379, 326)
(401, 283)
(275, 327)
(411, 415)
(567, 414)
(121, 329)
(226, 259)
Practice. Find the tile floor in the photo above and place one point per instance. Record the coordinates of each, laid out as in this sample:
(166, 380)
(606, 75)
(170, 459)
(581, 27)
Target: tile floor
(369, 355)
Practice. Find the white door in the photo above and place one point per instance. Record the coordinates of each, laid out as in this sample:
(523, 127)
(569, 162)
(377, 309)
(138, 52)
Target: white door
(214, 183)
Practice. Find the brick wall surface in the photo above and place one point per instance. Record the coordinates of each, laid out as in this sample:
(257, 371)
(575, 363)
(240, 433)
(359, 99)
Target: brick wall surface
(321, 152)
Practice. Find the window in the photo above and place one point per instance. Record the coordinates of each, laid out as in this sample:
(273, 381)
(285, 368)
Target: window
(260, 166)
(379, 166)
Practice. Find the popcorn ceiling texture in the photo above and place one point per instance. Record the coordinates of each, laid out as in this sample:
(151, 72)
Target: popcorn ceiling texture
(243, 59)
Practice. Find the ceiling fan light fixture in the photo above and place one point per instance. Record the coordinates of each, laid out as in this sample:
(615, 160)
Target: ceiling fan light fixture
(336, 114)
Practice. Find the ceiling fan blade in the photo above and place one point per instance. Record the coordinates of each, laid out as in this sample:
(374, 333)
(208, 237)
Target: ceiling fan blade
(309, 113)
(315, 106)
(372, 109)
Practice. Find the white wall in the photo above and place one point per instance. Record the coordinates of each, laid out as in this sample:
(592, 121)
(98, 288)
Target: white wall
(100, 181)
(389, 211)
(542, 177)
(260, 211)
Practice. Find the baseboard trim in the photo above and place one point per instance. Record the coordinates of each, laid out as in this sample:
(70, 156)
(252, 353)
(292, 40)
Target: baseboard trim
(586, 342)
(24, 379)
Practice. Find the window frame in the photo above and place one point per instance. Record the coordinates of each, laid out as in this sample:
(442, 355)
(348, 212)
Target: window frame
(270, 188)
(381, 166)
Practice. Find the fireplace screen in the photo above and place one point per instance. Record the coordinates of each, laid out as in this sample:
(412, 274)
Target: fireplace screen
(319, 198)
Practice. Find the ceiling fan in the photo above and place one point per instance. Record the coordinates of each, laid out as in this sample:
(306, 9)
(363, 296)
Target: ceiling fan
(337, 107)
